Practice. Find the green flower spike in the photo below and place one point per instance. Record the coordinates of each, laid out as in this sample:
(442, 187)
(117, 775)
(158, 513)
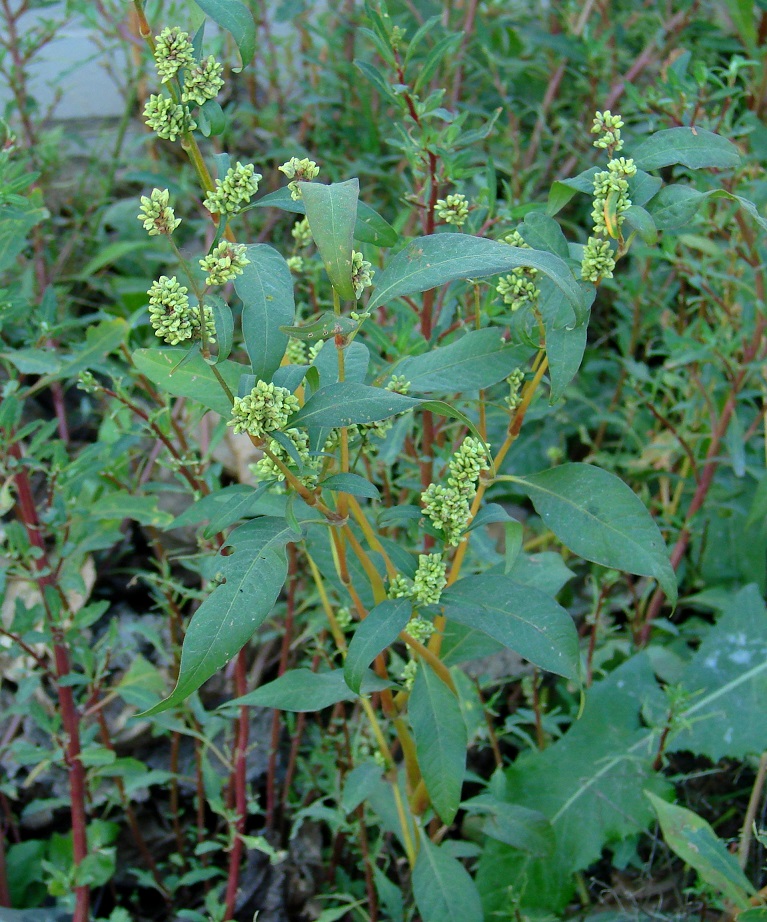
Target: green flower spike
(202, 81)
(169, 310)
(430, 579)
(298, 171)
(224, 263)
(172, 51)
(156, 214)
(362, 274)
(266, 408)
(453, 210)
(234, 191)
(167, 119)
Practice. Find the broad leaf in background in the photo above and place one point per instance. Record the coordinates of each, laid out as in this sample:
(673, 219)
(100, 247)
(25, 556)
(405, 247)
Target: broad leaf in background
(522, 618)
(193, 379)
(266, 291)
(332, 213)
(442, 887)
(428, 262)
(727, 682)
(440, 740)
(253, 576)
(696, 843)
(589, 785)
(237, 19)
(381, 628)
(477, 360)
(346, 403)
(695, 148)
(598, 517)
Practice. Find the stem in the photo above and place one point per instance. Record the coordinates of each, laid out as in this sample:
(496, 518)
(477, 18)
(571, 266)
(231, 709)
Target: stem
(239, 781)
(753, 806)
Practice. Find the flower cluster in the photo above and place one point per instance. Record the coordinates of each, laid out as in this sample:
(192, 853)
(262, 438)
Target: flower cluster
(519, 287)
(296, 352)
(224, 262)
(171, 315)
(362, 274)
(430, 579)
(453, 210)
(166, 118)
(172, 52)
(449, 507)
(295, 264)
(237, 188)
(266, 408)
(598, 260)
(298, 171)
(608, 127)
(514, 381)
(266, 469)
(611, 196)
(202, 81)
(420, 629)
(301, 233)
(156, 214)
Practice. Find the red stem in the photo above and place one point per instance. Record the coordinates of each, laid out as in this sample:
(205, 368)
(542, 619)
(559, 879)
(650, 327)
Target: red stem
(239, 782)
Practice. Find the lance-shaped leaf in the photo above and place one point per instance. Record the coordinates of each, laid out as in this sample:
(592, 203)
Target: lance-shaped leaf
(440, 740)
(332, 213)
(381, 628)
(251, 578)
(599, 518)
(302, 690)
(235, 18)
(520, 617)
(695, 148)
(428, 262)
(266, 291)
(347, 403)
(442, 887)
(194, 378)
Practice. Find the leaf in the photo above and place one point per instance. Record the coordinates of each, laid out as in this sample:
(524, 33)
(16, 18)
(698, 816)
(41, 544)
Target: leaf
(598, 517)
(347, 403)
(100, 340)
(253, 576)
(33, 361)
(373, 635)
(696, 843)
(236, 19)
(222, 508)
(351, 483)
(326, 326)
(520, 617)
(332, 212)
(639, 220)
(224, 324)
(442, 887)
(14, 230)
(727, 681)
(193, 379)
(524, 829)
(440, 740)
(356, 361)
(564, 347)
(428, 262)
(266, 291)
(303, 690)
(695, 148)
(477, 360)
(111, 254)
(369, 227)
(359, 784)
(124, 505)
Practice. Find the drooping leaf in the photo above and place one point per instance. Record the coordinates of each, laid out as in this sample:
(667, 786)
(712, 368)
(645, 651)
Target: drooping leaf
(331, 211)
(266, 291)
(428, 262)
(478, 359)
(696, 843)
(235, 18)
(124, 505)
(520, 617)
(695, 148)
(193, 379)
(351, 483)
(440, 740)
(442, 887)
(381, 628)
(303, 690)
(599, 518)
(326, 326)
(347, 403)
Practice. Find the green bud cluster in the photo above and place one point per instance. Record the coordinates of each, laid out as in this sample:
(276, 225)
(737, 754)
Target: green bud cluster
(235, 190)
(166, 118)
(362, 274)
(608, 127)
(171, 315)
(453, 210)
(202, 81)
(343, 618)
(298, 171)
(266, 408)
(172, 52)
(301, 233)
(266, 469)
(518, 288)
(598, 260)
(296, 352)
(430, 579)
(156, 214)
(611, 196)
(409, 671)
(399, 587)
(420, 629)
(295, 264)
(515, 380)
(224, 263)
(449, 507)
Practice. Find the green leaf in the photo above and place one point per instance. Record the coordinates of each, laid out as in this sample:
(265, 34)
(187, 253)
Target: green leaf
(440, 740)
(253, 574)
(224, 323)
(111, 254)
(326, 326)
(211, 119)
(266, 291)
(359, 784)
(373, 635)
(377, 79)
(442, 887)
(303, 690)
(598, 517)
(696, 843)
(124, 505)
(193, 379)
(14, 230)
(695, 148)
(100, 340)
(332, 213)
(428, 262)
(223, 508)
(727, 682)
(564, 347)
(524, 829)
(351, 483)
(639, 220)
(369, 227)
(236, 19)
(347, 403)
(446, 46)
(520, 617)
(33, 361)
(478, 359)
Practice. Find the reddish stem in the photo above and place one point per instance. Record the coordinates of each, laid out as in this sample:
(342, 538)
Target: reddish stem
(239, 782)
